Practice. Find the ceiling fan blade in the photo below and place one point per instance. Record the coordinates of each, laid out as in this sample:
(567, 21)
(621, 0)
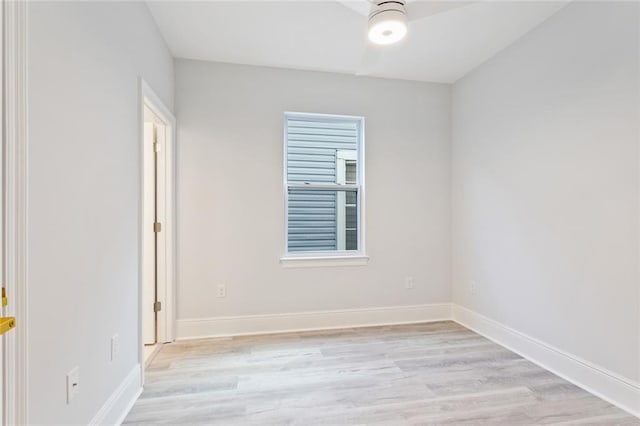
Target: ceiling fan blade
(422, 9)
(369, 59)
(361, 7)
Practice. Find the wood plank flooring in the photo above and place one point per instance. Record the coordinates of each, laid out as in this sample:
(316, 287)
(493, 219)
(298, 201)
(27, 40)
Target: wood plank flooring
(436, 373)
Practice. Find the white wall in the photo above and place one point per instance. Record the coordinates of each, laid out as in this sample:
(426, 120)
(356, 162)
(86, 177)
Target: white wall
(545, 185)
(545, 190)
(230, 191)
(84, 63)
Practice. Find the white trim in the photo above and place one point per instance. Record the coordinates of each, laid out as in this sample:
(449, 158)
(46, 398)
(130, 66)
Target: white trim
(116, 408)
(638, 252)
(345, 155)
(359, 187)
(307, 321)
(341, 197)
(311, 116)
(307, 261)
(16, 208)
(620, 391)
(166, 317)
(324, 186)
(362, 242)
(152, 355)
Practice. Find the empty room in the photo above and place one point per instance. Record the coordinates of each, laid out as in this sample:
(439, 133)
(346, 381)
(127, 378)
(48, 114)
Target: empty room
(320, 212)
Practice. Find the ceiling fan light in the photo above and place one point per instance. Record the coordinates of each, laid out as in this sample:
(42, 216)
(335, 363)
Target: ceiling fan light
(387, 27)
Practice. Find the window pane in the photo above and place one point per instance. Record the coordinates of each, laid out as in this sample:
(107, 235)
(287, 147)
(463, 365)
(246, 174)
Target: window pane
(313, 147)
(312, 220)
(351, 197)
(352, 240)
(322, 220)
(350, 227)
(351, 217)
(351, 172)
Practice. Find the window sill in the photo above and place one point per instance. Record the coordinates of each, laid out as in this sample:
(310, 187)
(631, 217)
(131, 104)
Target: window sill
(323, 261)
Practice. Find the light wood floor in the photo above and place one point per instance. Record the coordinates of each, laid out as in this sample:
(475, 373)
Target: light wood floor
(438, 373)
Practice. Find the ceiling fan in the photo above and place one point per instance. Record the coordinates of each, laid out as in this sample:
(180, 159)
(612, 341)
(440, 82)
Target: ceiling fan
(388, 21)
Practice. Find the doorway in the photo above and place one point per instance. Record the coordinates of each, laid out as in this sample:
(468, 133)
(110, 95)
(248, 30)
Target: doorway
(156, 283)
(153, 195)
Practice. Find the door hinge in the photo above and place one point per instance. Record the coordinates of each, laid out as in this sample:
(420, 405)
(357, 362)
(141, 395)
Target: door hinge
(5, 300)
(157, 306)
(157, 227)
(157, 147)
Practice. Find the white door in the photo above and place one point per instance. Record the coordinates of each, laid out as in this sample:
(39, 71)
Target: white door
(2, 214)
(154, 236)
(149, 243)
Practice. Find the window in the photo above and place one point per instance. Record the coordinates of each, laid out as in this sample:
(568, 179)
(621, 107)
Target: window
(324, 185)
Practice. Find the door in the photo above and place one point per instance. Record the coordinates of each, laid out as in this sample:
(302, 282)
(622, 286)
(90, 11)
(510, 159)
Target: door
(3, 203)
(149, 296)
(154, 245)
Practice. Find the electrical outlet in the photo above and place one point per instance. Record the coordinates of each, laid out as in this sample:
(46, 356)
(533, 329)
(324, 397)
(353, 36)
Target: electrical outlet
(408, 282)
(222, 291)
(473, 286)
(115, 346)
(73, 384)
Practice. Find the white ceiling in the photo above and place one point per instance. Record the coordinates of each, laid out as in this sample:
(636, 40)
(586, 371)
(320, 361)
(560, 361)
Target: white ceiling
(329, 36)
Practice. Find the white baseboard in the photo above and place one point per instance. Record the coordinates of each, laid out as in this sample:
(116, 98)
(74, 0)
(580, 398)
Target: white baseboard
(306, 321)
(620, 391)
(152, 355)
(605, 384)
(116, 408)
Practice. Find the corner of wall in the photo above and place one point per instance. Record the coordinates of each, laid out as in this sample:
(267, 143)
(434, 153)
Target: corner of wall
(611, 387)
(116, 408)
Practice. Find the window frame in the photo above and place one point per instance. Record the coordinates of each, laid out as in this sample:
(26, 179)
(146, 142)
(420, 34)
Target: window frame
(327, 257)
(342, 157)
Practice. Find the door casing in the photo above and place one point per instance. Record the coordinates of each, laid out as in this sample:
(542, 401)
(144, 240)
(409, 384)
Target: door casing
(15, 367)
(166, 285)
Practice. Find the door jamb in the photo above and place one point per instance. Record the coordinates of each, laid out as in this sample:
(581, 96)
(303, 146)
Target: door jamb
(166, 328)
(14, 52)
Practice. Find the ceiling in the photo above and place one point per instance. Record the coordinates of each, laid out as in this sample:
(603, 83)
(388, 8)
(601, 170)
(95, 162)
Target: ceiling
(331, 36)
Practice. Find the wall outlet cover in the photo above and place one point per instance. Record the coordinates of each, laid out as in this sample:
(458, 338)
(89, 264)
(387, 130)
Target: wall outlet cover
(221, 290)
(115, 346)
(408, 282)
(73, 384)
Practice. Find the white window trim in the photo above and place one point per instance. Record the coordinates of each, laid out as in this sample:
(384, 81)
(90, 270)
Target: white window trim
(321, 260)
(337, 257)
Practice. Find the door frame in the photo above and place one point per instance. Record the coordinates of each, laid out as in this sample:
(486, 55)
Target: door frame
(166, 318)
(15, 186)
